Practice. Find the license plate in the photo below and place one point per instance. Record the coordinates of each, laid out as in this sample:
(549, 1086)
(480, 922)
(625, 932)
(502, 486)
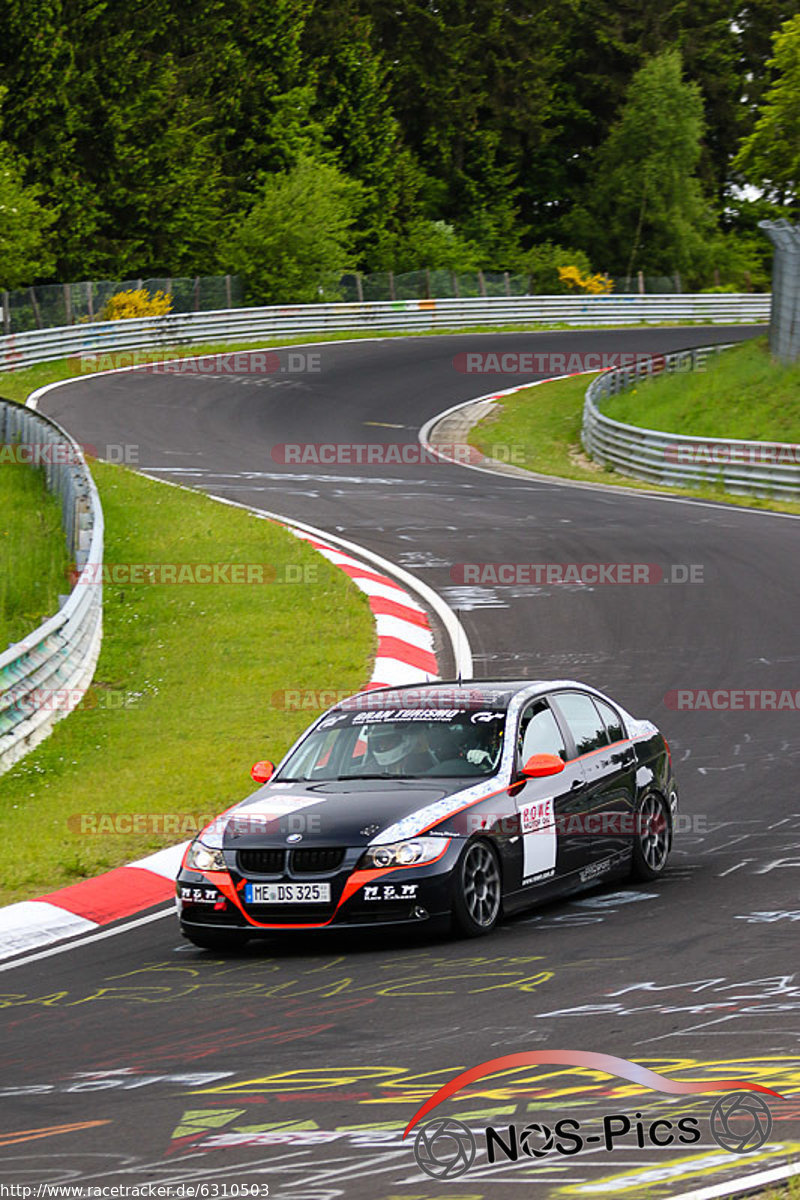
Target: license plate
(287, 893)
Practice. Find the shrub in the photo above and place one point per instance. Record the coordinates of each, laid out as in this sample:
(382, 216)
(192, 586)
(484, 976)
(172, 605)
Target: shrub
(595, 285)
(137, 302)
(542, 264)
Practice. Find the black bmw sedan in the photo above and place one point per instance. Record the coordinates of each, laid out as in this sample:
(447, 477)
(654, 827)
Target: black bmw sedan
(463, 801)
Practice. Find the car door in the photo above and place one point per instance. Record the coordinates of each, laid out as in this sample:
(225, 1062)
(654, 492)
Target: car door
(544, 806)
(609, 766)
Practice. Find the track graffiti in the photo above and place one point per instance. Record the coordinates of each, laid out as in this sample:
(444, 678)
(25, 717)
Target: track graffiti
(166, 982)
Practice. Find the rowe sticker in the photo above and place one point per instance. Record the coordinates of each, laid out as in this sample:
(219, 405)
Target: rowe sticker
(538, 838)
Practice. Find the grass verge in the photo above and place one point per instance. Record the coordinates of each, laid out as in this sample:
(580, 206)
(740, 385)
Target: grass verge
(182, 701)
(540, 429)
(34, 562)
(741, 393)
(791, 1191)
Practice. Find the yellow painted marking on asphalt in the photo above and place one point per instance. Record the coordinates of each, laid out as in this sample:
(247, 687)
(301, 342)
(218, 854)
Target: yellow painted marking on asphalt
(197, 1120)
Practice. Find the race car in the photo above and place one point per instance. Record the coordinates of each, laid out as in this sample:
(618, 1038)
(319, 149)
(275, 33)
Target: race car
(462, 802)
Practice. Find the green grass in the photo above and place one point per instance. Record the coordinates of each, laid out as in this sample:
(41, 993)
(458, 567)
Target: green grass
(790, 1192)
(540, 430)
(34, 562)
(181, 704)
(742, 393)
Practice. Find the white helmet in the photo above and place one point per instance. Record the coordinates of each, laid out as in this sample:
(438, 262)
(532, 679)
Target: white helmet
(388, 744)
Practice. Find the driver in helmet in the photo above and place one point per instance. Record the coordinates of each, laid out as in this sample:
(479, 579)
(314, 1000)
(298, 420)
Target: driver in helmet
(395, 749)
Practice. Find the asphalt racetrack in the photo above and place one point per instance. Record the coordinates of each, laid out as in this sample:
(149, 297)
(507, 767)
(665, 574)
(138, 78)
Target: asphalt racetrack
(137, 1059)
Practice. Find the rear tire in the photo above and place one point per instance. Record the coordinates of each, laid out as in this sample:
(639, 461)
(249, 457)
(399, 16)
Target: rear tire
(477, 895)
(215, 939)
(652, 840)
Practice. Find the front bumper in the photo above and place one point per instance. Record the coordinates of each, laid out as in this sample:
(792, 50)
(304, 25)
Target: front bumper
(207, 900)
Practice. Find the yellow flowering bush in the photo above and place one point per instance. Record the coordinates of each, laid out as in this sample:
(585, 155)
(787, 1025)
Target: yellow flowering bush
(595, 285)
(137, 302)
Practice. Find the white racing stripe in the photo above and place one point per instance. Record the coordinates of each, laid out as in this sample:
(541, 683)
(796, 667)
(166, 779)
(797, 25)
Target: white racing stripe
(414, 824)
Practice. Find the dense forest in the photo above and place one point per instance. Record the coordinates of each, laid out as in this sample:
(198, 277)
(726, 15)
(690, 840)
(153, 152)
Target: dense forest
(291, 140)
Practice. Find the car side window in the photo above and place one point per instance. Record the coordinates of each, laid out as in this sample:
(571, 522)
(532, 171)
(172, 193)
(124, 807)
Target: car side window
(612, 720)
(539, 733)
(585, 722)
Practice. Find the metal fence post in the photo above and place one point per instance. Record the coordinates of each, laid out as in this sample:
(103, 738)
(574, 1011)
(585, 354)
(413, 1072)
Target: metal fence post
(784, 325)
(36, 313)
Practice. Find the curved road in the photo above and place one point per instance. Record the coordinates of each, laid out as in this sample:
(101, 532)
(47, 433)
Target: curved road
(137, 1059)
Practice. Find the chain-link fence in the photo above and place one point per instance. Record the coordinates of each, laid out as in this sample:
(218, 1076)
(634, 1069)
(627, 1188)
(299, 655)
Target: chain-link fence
(442, 285)
(784, 324)
(53, 304)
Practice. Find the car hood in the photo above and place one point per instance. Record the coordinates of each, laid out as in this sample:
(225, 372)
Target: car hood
(352, 812)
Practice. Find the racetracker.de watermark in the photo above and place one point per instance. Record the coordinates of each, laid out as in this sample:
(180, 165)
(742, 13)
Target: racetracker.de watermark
(599, 824)
(72, 699)
(587, 574)
(213, 1189)
(733, 699)
(390, 454)
(256, 574)
(238, 362)
(297, 699)
(720, 454)
(532, 362)
(46, 454)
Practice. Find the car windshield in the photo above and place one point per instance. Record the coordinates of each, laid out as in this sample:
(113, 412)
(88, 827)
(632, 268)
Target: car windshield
(399, 744)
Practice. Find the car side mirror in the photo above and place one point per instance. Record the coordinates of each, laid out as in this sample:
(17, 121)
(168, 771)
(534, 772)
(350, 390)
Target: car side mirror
(540, 765)
(262, 772)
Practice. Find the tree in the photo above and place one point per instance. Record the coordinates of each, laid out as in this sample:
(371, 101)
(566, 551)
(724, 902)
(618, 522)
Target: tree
(469, 82)
(436, 244)
(645, 207)
(296, 241)
(361, 131)
(770, 156)
(24, 225)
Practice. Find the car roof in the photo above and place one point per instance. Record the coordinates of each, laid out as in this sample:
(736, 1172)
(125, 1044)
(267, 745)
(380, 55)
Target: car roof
(473, 693)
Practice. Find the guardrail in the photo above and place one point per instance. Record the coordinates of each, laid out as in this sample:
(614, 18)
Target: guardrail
(43, 677)
(745, 468)
(59, 657)
(245, 324)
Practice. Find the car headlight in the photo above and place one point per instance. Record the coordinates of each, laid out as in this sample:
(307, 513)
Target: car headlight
(200, 857)
(415, 851)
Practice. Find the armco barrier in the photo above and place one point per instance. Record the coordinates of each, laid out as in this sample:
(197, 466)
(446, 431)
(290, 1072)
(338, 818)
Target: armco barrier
(245, 324)
(745, 468)
(43, 677)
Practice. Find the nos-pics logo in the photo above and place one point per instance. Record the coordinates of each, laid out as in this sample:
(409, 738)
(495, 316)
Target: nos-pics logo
(444, 1148)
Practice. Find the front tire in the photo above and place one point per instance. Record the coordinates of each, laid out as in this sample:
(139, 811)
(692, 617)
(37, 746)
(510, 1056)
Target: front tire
(478, 891)
(652, 839)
